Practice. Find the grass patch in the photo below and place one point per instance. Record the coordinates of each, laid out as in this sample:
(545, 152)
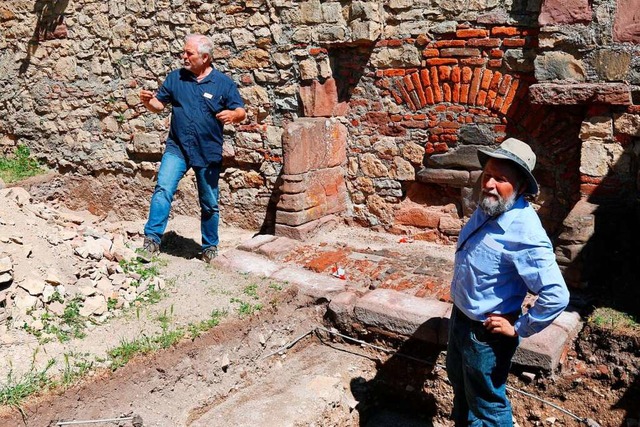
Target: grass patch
(19, 166)
(608, 318)
(17, 389)
(197, 329)
(127, 350)
(246, 308)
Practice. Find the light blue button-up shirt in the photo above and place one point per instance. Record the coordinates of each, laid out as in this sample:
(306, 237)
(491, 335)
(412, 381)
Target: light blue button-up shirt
(496, 266)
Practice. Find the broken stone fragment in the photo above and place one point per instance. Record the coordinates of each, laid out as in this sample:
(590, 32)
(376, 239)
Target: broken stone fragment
(5, 278)
(53, 277)
(34, 286)
(24, 301)
(17, 194)
(6, 265)
(96, 305)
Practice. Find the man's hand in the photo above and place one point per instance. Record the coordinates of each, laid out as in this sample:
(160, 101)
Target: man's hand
(149, 100)
(231, 116)
(500, 324)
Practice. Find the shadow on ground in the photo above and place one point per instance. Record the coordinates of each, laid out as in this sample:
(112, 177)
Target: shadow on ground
(402, 392)
(179, 246)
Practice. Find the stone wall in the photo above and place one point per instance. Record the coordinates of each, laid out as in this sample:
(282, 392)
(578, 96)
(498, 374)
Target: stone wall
(418, 85)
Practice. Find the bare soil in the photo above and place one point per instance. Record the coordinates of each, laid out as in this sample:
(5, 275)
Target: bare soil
(257, 370)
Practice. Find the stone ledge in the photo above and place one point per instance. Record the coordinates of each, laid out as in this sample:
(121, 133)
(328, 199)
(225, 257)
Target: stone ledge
(580, 93)
(315, 285)
(404, 314)
(546, 349)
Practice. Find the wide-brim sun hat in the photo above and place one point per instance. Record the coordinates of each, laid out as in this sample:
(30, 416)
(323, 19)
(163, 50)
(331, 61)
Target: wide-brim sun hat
(521, 154)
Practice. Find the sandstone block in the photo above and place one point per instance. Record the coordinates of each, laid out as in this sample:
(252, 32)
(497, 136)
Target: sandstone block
(315, 285)
(625, 25)
(416, 215)
(305, 231)
(559, 66)
(555, 12)
(580, 93)
(403, 314)
(465, 157)
(319, 99)
(455, 178)
(341, 308)
(278, 248)
(545, 349)
(246, 262)
(612, 66)
(628, 124)
(311, 144)
(597, 127)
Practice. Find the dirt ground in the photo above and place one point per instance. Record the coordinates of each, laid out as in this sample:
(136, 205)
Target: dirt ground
(241, 374)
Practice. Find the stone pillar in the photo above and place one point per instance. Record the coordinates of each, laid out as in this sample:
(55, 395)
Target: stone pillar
(314, 152)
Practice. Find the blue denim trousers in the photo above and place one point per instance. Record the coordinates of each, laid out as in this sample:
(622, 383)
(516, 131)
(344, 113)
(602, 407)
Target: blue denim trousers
(478, 364)
(172, 169)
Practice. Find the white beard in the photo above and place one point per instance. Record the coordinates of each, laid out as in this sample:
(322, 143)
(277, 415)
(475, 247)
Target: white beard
(498, 205)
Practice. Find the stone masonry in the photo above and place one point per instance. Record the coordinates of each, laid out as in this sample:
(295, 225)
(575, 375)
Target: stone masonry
(408, 88)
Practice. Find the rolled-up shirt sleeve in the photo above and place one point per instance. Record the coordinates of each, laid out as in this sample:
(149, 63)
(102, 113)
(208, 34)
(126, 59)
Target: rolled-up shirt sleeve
(539, 271)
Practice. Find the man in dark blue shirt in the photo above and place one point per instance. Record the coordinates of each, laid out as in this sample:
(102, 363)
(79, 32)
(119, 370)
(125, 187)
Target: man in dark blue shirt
(203, 100)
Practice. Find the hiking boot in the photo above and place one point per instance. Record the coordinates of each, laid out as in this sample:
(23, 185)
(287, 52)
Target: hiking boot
(149, 249)
(209, 254)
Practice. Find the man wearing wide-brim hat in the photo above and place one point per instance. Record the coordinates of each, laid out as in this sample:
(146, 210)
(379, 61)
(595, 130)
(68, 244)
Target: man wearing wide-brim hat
(503, 252)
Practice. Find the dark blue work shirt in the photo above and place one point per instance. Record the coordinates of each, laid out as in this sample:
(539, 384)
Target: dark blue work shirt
(195, 133)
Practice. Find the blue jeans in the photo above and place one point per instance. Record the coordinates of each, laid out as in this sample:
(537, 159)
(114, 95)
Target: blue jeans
(478, 364)
(172, 169)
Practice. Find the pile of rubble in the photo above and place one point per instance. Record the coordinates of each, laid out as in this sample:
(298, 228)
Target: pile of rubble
(56, 264)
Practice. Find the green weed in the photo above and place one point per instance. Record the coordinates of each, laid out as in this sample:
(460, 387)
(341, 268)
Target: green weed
(197, 329)
(245, 308)
(604, 317)
(252, 291)
(19, 166)
(17, 389)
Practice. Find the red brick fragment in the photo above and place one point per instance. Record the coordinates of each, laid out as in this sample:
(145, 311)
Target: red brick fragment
(495, 63)
(475, 85)
(455, 93)
(466, 75)
(317, 51)
(394, 72)
(484, 42)
(496, 53)
(415, 77)
(513, 42)
(464, 93)
(476, 62)
(424, 76)
(408, 84)
(505, 31)
(441, 61)
(509, 98)
(450, 43)
(487, 76)
(435, 82)
(430, 53)
(472, 32)
(446, 92)
(428, 93)
(444, 73)
(455, 74)
(482, 97)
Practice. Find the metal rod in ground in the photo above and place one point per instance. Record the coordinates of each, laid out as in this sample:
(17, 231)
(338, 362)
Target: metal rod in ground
(289, 345)
(105, 420)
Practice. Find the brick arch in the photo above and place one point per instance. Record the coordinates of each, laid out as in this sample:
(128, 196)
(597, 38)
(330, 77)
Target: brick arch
(471, 86)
